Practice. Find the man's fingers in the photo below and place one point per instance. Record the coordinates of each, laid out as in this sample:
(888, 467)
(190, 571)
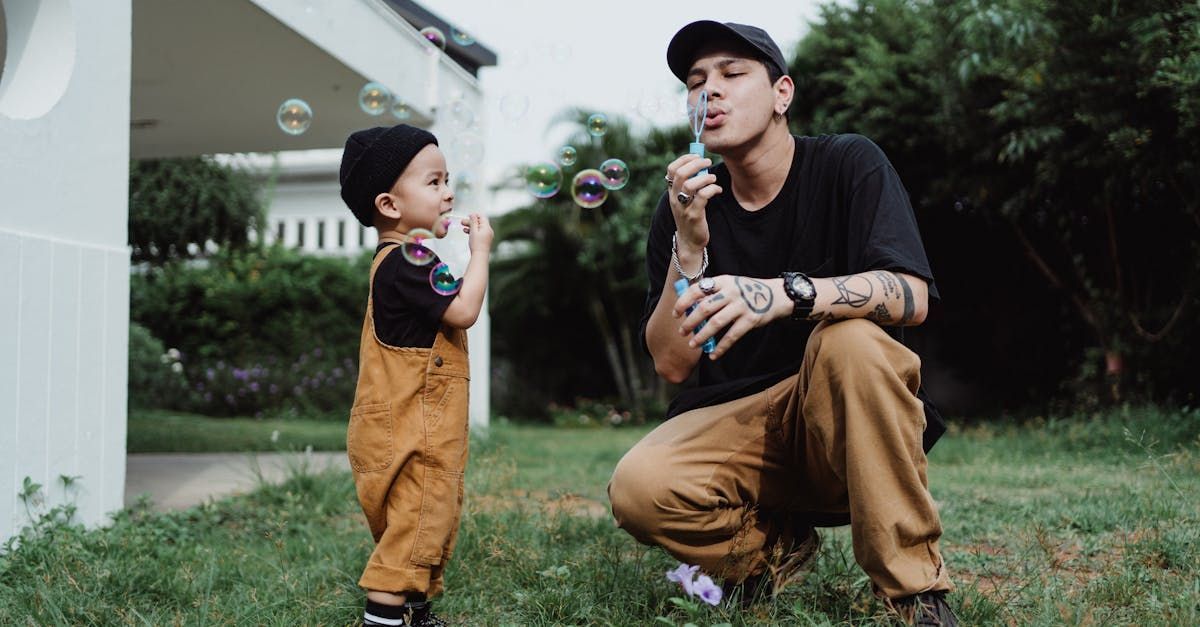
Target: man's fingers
(740, 327)
(695, 184)
(673, 167)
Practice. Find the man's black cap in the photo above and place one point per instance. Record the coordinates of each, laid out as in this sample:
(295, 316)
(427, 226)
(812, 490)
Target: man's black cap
(682, 49)
(372, 161)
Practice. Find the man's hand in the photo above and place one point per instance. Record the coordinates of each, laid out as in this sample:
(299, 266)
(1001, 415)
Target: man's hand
(736, 304)
(690, 223)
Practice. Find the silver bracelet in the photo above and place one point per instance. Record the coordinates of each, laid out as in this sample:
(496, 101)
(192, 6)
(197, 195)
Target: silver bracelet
(679, 268)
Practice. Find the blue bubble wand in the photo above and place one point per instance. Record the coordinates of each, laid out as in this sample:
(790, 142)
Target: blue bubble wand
(697, 114)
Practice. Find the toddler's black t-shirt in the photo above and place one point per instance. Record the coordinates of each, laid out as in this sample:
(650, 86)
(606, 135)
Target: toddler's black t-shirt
(408, 312)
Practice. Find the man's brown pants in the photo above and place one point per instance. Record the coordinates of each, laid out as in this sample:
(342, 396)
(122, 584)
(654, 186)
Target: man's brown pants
(721, 486)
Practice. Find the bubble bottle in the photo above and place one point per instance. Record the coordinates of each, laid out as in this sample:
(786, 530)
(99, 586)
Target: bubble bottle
(697, 114)
(710, 344)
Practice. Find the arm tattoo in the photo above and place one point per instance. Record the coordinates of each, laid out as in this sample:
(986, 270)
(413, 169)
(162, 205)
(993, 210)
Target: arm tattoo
(821, 317)
(880, 315)
(756, 294)
(909, 305)
(888, 281)
(853, 290)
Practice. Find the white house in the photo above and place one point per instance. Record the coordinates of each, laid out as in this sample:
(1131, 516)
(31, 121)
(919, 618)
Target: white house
(84, 87)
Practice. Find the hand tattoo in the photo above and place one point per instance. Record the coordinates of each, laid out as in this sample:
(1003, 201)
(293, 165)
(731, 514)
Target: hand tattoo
(756, 294)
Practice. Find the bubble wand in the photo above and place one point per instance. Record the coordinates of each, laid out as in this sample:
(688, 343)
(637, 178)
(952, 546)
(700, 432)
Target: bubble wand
(697, 115)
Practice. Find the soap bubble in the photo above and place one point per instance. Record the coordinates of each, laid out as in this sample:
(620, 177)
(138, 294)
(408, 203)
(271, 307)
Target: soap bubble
(467, 149)
(461, 113)
(616, 173)
(464, 191)
(543, 179)
(514, 106)
(597, 124)
(442, 281)
(415, 251)
(294, 116)
(588, 189)
(567, 155)
(461, 37)
(401, 110)
(435, 36)
(374, 98)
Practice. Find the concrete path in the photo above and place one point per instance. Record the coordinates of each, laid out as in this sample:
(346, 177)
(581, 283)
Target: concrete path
(182, 480)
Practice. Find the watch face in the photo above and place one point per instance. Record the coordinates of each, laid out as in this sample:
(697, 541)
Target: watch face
(803, 288)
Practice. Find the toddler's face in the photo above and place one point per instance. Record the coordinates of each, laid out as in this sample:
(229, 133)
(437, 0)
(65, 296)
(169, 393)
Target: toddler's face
(423, 192)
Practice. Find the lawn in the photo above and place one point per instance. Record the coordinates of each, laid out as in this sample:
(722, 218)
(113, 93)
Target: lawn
(154, 431)
(1082, 521)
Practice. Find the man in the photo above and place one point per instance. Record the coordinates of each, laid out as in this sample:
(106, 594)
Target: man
(804, 261)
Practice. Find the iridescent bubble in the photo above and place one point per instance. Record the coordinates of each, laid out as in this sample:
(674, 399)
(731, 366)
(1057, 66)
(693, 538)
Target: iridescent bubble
(464, 191)
(461, 37)
(514, 106)
(567, 155)
(294, 116)
(543, 179)
(374, 98)
(461, 113)
(467, 149)
(597, 124)
(616, 173)
(415, 251)
(401, 110)
(588, 189)
(442, 281)
(435, 36)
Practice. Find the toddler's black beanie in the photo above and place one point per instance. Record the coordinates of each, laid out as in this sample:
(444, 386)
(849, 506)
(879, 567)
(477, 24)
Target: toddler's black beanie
(372, 161)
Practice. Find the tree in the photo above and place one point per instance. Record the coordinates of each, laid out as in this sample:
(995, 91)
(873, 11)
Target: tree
(1070, 125)
(177, 207)
(569, 283)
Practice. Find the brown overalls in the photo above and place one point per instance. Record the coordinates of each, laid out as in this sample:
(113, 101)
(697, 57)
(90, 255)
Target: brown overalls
(407, 442)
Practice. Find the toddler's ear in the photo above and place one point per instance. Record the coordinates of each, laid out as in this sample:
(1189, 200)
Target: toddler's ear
(386, 204)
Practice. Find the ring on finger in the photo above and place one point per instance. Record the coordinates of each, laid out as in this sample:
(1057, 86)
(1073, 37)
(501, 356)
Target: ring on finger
(707, 285)
(683, 198)
(670, 181)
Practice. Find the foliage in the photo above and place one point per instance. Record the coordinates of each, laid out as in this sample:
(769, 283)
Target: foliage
(182, 208)
(264, 330)
(1057, 521)
(569, 284)
(153, 371)
(1049, 144)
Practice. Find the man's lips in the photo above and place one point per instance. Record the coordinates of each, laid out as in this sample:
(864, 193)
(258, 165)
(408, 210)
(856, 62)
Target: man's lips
(714, 119)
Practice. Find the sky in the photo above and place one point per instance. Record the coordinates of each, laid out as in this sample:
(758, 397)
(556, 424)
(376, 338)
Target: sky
(607, 57)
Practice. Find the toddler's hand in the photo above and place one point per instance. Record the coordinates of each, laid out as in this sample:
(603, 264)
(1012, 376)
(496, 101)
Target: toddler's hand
(480, 233)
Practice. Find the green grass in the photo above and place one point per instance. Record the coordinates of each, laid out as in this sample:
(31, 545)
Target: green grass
(1046, 523)
(154, 431)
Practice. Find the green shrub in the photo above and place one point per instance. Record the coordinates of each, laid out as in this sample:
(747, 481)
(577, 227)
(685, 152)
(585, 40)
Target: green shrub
(261, 332)
(155, 373)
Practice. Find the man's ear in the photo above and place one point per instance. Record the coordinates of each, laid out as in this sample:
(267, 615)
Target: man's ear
(785, 90)
(386, 204)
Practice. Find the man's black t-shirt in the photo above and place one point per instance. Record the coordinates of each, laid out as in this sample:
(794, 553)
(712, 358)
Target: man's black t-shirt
(408, 313)
(842, 210)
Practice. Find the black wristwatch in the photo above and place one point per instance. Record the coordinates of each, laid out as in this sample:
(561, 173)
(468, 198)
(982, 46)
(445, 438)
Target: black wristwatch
(803, 293)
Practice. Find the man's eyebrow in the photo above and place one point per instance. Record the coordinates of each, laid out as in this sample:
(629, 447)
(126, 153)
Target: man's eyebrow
(720, 65)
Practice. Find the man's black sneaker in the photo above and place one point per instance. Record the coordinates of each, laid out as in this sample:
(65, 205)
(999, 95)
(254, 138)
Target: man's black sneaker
(927, 608)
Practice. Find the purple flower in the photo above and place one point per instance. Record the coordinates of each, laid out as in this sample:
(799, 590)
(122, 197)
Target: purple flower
(338, 372)
(683, 576)
(239, 374)
(274, 389)
(317, 352)
(708, 591)
(210, 373)
(297, 390)
(254, 386)
(229, 399)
